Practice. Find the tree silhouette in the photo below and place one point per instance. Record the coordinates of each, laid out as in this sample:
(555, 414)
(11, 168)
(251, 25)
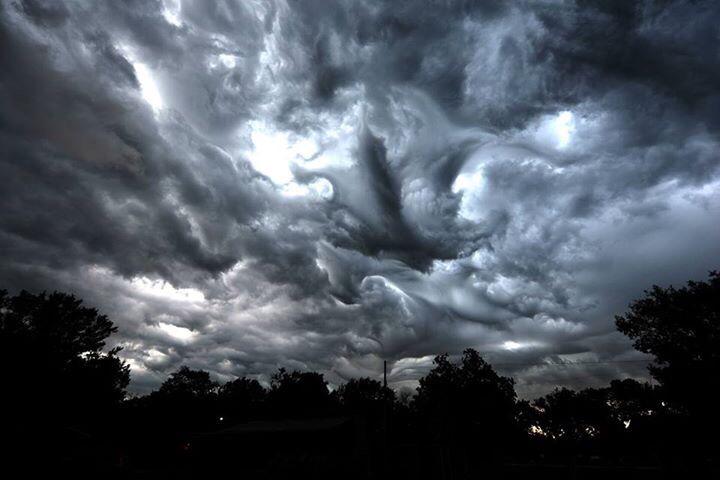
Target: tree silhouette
(185, 401)
(364, 396)
(241, 399)
(576, 416)
(680, 327)
(631, 401)
(299, 394)
(52, 359)
(368, 401)
(61, 391)
(467, 408)
(188, 384)
(617, 422)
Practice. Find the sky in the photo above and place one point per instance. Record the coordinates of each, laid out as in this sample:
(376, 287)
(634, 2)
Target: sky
(245, 185)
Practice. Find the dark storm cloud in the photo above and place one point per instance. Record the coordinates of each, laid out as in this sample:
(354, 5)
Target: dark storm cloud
(243, 185)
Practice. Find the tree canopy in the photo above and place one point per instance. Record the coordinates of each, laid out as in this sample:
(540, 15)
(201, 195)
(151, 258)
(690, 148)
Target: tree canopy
(188, 383)
(466, 395)
(680, 327)
(300, 394)
(51, 354)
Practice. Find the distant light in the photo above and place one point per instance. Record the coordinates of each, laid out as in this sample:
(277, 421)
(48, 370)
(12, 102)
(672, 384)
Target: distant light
(627, 423)
(221, 418)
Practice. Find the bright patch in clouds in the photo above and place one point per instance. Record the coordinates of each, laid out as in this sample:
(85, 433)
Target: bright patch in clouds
(555, 131)
(171, 11)
(468, 181)
(178, 333)
(162, 289)
(273, 152)
(320, 188)
(512, 345)
(564, 127)
(470, 185)
(148, 87)
(228, 60)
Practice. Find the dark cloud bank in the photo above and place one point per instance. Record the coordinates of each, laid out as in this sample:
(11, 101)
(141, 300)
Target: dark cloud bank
(323, 185)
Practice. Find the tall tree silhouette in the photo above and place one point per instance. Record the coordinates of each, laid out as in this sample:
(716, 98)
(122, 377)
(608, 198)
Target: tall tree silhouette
(470, 389)
(680, 327)
(299, 394)
(52, 359)
(466, 408)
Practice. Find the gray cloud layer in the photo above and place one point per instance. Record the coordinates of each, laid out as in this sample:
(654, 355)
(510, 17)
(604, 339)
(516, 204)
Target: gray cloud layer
(244, 185)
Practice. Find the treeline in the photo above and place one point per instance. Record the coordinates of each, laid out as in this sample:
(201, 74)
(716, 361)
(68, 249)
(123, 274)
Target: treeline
(66, 403)
(463, 406)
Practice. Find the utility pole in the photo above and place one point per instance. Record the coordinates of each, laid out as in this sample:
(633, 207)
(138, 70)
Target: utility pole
(385, 373)
(385, 420)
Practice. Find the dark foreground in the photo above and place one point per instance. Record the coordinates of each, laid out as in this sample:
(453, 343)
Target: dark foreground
(328, 448)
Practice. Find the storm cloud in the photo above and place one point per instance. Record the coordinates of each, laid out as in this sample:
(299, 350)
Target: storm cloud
(324, 185)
